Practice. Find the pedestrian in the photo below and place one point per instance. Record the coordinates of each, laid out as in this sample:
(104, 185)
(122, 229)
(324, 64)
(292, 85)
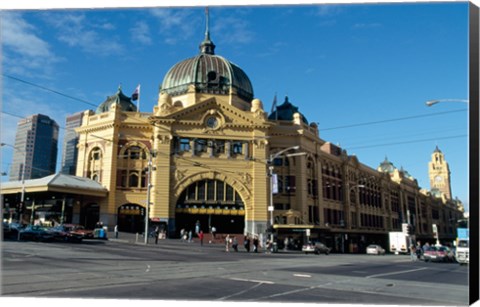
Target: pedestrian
(197, 227)
(235, 244)
(246, 243)
(418, 250)
(227, 243)
(214, 231)
(255, 244)
(157, 233)
(413, 255)
(182, 234)
(189, 236)
(115, 229)
(200, 236)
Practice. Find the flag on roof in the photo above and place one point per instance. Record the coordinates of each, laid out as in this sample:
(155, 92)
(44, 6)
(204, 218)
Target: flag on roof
(136, 93)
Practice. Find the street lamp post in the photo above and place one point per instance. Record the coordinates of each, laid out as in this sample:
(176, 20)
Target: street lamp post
(270, 175)
(22, 195)
(430, 103)
(149, 187)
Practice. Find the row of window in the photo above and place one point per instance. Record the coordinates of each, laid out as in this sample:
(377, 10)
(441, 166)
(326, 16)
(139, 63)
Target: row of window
(215, 147)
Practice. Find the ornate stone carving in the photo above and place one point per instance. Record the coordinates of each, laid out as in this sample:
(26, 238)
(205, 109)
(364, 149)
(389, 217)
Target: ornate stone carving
(164, 139)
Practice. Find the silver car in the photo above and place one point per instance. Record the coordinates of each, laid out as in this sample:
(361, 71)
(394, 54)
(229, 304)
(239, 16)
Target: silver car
(317, 248)
(374, 249)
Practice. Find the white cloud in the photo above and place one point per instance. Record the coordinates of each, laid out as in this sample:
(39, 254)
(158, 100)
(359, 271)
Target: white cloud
(176, 24)
(76, 31)
(24, 50)
(141, 33)
(233, 30)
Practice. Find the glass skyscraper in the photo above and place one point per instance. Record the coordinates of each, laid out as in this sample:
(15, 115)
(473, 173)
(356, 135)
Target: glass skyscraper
(36, 147)
(70, 151)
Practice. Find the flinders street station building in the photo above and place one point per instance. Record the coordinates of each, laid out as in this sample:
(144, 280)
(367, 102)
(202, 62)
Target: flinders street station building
(209, 155)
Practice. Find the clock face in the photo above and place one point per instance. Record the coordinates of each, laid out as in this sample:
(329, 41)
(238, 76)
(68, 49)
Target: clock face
(438, 178)
(212, 122)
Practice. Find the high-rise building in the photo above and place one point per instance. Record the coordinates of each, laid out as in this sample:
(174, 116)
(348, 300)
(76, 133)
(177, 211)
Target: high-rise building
(70, 151)
(36, 149)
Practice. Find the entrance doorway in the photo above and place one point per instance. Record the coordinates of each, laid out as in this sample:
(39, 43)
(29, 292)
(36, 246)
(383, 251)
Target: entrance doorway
(211, 203)
(131, 218)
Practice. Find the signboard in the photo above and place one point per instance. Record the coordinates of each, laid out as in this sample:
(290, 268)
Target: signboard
(434, 230)
(270, 208)
(274, 184)
(307, 232)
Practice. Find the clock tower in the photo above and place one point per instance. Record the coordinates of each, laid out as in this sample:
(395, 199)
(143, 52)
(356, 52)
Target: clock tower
(439, 174)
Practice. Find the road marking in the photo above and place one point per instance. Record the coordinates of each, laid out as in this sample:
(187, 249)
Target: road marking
(253, 280)
(395, 273)
(238, 293)
(302, 275)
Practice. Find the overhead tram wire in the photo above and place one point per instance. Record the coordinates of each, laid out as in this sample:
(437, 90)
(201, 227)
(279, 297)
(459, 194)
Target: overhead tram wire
(49, 90)
(325, 129)
(392, 120)
(407, 142)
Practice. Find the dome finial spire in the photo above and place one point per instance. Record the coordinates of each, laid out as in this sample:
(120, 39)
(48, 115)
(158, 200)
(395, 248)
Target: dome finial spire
(207, 46)
(207, 28)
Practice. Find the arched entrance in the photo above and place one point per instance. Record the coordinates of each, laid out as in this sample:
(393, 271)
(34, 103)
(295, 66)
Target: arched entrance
(210, 203)
(131, 218)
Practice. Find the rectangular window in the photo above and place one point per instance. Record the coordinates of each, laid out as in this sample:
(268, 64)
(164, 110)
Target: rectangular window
(201, 190)
(210, 190)
(184, 145)
(220, 190)
(237, 147)
(229, 196)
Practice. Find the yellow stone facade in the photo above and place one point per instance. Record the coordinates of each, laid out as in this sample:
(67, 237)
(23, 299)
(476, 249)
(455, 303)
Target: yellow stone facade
(211, 150)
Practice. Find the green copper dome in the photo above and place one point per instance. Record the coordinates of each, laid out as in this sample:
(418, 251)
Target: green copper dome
(285, 111)
(208, 73)
(120, 99)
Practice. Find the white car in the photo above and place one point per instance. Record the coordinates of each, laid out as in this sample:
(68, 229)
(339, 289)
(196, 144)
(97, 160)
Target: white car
(374, 249)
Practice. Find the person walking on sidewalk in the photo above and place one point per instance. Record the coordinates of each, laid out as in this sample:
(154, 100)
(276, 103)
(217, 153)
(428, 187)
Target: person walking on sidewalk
(246, 243)
(200, 236)
(227, 243)
(235, 244)
(157, 233)
(115, 229)
(255, 244)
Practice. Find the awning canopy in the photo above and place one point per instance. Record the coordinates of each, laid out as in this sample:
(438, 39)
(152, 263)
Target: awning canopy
(56, 183)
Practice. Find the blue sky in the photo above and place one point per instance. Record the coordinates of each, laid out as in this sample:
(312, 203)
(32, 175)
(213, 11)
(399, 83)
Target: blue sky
(341, 64)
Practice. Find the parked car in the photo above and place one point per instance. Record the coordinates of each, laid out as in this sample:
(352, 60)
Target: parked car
(374, 249)
(438, 253)
(36, 233)
(11, 230)
(317, 248)
(63, 234)
(79, 230)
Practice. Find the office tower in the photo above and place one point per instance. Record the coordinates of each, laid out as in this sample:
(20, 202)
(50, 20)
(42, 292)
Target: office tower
(36, 149)
(70, 151)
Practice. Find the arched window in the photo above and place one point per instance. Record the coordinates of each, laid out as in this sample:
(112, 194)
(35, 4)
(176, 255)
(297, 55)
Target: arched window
(132, 167)
(95, 164)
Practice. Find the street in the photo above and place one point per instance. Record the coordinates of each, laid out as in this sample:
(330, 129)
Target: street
(175, 270)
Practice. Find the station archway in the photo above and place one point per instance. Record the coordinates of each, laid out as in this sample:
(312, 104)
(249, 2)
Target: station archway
(210, 203)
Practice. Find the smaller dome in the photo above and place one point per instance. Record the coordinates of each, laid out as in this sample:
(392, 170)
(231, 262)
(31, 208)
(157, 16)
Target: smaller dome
(120, 99)
(386, 166)
(286, 111)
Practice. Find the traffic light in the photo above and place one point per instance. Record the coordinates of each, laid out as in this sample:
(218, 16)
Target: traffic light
(410, 230)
